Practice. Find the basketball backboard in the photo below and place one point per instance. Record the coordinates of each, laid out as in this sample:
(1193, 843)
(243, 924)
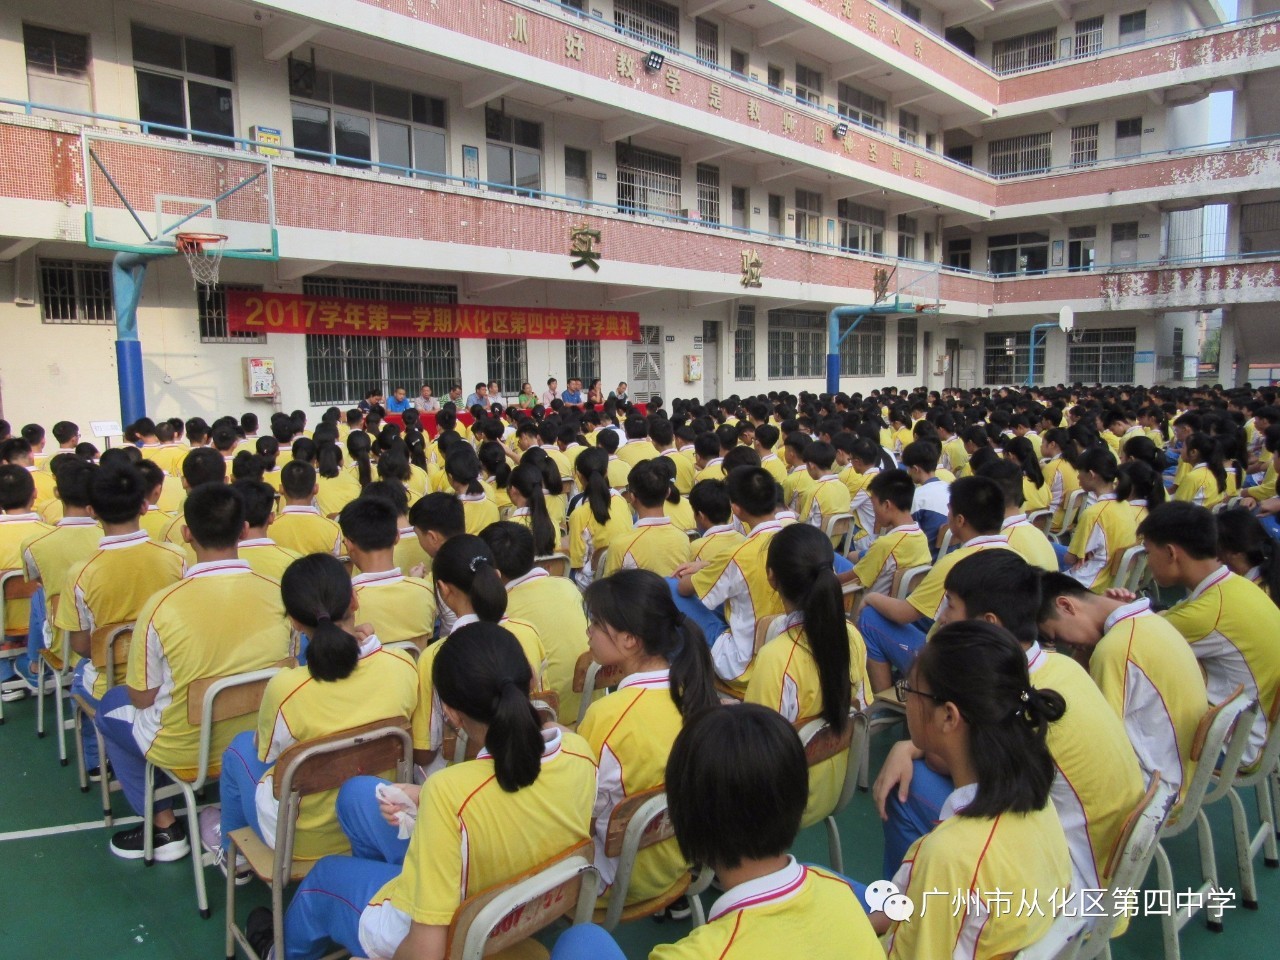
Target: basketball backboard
(918, 285)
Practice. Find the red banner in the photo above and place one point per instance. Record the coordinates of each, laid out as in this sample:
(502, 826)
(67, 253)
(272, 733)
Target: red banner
(252, 312)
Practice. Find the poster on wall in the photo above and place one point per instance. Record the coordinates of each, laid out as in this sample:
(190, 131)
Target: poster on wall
(259, 377)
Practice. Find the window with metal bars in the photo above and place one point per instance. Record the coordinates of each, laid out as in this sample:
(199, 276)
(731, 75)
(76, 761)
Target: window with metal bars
(508, 363)
(211, 314)
(808, 84)
(655, 21)
(908, 346)
(707, 41)
(1084, 145)
(861, 227)
(1006, 356)
(709, 194)
(648, 181)
(797, 343)
(1088, 36)
(1102, 356)
(76, 291)
(1024, 52)
(808, 216)
(861, 107)
(581, 360)
(744, 343)
(862, 351)
(341, 367)
(1015, 156)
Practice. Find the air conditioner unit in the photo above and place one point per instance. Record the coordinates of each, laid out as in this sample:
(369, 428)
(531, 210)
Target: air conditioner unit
(24, 279)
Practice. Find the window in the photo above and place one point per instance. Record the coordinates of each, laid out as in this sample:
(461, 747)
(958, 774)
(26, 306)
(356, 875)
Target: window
(908, 126)
(1081, 243)
(776, 77)
(908, 346)
(341, 367)
(808, 216)
(648, 181)
(707, 41)
(655, 21)
(862, 351)
(1179, 342)
(961, 153)
(910, 11)
(513, 151)
(1006, 356)
(57, 68)
(1018, 253)
(960, 254)
(1025, 52)
(581, 360)
(861, 107)
(738, 201)
(1259, 227)
(577, 173)
(709, 194)
(1084, 145)
(76, 291)
(1129, 137)
(354, 122)
(738, 62)
(1124, 242)
(744, 343)
(211, 315)
(184, 83)
(1015, 156)
(1088, 36)
(507, 362)
(1102, 356)
(861, 227)
(797, 343)
(776, 214)
(907, 227)
(1133, 27)
(808, 85)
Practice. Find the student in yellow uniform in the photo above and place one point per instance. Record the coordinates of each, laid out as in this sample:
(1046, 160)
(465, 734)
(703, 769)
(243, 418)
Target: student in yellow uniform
(708, 458)
(1105, 528)
(17, 451)
(1246, 549)
(1230, 623)
(542, 782)
(863, 463)
(1142, 665)
(220, 619)
(462, 467)
(1059, 473)
(18, 524)
(634, 627)
(335, 487)
(257, 548)
(816, 667)
(828, 496)
(552, 605)
(525, 489)
(300, 526)
(1265, 488)
(155, 521)
(713, 515)
(399, 607)
(1142, 488)
(609, 441)
(654, 543)
(766, 439)
(598, 518)
(201, 465)
(1025, 539)
(1205, 481)
(1036, 493)
(349, 680)
(902, 546)
(662, 437)
(676, 506)
(796, 487)
(637, 447)
(408, 553)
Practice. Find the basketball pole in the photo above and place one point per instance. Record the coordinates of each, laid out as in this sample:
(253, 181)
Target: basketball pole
(1031, 352)
(835, 337)
(128, 271)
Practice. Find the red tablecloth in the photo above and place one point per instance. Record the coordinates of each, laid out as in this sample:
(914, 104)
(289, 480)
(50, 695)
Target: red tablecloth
(428, 420)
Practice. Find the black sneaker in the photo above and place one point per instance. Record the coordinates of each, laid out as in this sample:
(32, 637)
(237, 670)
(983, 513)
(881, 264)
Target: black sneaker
(170, 843)
(95, 773)
(680, 910)
(259, 930)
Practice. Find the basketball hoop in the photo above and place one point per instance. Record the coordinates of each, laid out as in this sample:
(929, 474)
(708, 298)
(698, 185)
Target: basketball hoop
(929, 307)
(204, 255)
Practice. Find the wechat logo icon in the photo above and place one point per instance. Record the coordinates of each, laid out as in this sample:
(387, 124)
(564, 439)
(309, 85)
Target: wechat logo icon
(884, 895)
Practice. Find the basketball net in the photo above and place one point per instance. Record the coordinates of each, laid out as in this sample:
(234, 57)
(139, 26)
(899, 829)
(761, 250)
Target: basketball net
(203, 252)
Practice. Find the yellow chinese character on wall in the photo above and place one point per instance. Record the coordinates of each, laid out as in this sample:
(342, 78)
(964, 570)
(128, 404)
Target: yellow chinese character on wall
(753, 111)
(873, 152)
(625, 64)
(752, 269)
(848, 143)
(918, 169)
(919, 49)
(846, 7)
(873, 23)
(788, 122)
(713, 97)
(519, 28)
(896, 160)
(573, 47)
(673, 80)
(819, 133)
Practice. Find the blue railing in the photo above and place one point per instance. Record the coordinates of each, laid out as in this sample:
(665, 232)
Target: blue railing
(1217, 146)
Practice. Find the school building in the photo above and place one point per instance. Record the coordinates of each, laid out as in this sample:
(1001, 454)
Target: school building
(697, 183)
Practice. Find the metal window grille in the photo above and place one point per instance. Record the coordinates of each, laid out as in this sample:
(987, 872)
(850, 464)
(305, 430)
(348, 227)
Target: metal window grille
(76, 291)
(1025, 52)
(1102, 356)
(508, 363)
(646, 363)
(908, 346)
(581, 360)
(341, 367)
(1133, 27)
(657, 22)
(744, 343)
(861, 227)
(1259, 227)
(862, 351)
(1014, 156)
(1088, 36)
(808, 84)
(797, 343)
(211, 314)
(1005, 358)
(1084, 145)
(648, 181)
(707, 41)
(808, 216)
(708, 193)
(861, 107)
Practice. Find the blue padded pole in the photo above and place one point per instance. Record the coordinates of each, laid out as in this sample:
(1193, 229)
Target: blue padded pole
(128, 270)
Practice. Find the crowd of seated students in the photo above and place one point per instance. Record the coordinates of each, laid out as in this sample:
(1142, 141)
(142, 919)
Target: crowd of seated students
(387, 573)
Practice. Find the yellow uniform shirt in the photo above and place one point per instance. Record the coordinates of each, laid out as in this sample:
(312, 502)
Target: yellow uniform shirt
(1029, 542)
(296, 708)
(15, 530)
(1104, 533)
(588, 536)
(901, 548)
(478, 511)
(1140, 511)
(860, 505)
(798, 911)
(155, 522)
(954, 456)
(172, 497)
(553, 605)
(399, 607)
(169, 456)
(785, 678)
(655, 543)
(52, 512)
(1033, 497)
(637, 451)
(681, 515)
(1200, 487)
(716, 544)
(408, 551)
(268, 558)
(1233, 626)
(49, 557)
(1149, 675)
(565, 460)
(618, 471)
(334, 493)
(685, 471)
(304, 530)
(777, 469)
(220, 619)
(631, 732)
(825, 498)
(714, 470)
(46, 488)
(929, 596)
(1062, 480)
(796, 487)
(1267, 488)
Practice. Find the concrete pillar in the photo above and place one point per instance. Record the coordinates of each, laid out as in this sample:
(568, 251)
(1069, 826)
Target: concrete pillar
(1227, 355)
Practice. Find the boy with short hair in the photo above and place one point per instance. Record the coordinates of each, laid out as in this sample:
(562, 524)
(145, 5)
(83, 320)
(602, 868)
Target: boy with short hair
(155, 521)
(798, 482)
(257, 548)
(827, 497)
(863, 458)
(200, 466)
(902, 546)
(18, 524)
(18, 451)
(1025, 538)
(637, 447)
(436, 519)
(707, 458)
(929, 508)
(654, 543)
(399, 607)
(766, 438)
(301, 527)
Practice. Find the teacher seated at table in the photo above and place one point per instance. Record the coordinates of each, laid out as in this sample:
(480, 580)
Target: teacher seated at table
(398, 402)
(425, 402)
(480, 397)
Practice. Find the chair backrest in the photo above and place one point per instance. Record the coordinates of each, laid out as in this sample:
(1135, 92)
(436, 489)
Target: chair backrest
(904, 581)
(211, 700)
(1040, 519)
(590, 676)
(556, 564)
(1128, 570)
(767, 628)
(1071, 509)
(945, 547)
(408, 646)
(1212, 734)
(648, 811)
(508, 913)
(837, 526)
(16, 587)
(598, 562)
(1265, 762)
(821, 743)
(110, 643)
(852, 595)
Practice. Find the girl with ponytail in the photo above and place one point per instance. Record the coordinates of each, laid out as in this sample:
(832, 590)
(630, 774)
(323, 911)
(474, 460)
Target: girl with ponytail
(525, 799)
(1140, 486)
(601, 515)
(635, 629)
(496, 473)
(816, 667)
(1059, 467)
(462, 468)
(360, 449)
(1106, 527)
(1248, 550)
(335, 487)
(348, 680)
(525, 489)
(677, 506)
(1035, 491)
(553, 485)
(1205, 481)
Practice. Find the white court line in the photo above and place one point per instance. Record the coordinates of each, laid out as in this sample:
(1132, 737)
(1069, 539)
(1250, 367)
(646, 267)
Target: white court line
(75, 827)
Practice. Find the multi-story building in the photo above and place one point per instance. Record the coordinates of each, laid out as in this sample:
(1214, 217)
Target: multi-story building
(732, 169)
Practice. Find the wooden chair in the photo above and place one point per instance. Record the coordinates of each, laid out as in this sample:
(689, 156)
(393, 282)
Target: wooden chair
(556, 564)
(210, 701)
(13, 587)
(853, 594)
(457, 747)
(1258, 775)
(108, 650)
(511, 912)
(588, 677)
(307, 768)
(821, 743)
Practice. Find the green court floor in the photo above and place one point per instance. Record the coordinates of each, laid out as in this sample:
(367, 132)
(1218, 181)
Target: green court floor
(67, 896)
